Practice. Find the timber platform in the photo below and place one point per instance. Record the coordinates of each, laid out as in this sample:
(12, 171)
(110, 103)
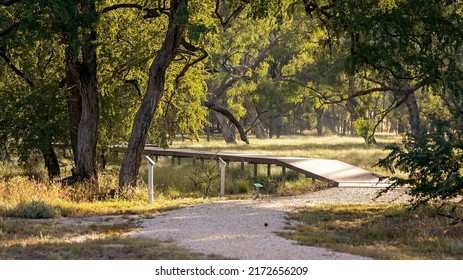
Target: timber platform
(334, 172)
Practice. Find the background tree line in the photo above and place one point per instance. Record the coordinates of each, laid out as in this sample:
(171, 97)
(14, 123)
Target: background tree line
(91, 74)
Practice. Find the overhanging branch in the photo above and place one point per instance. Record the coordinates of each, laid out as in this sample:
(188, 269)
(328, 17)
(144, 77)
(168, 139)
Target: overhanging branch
(8, 2)
(219, 109)
(150, 12)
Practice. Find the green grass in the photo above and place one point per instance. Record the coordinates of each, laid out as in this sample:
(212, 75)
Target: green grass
(379, 231)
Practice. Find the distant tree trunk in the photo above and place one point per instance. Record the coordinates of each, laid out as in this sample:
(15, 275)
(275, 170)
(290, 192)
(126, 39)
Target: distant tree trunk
(329, 122)
(279, 126)
(218, 90)
(319, 112)
(257, 126)
(271, 128)
(154, 91)
(51, 162)
(226, 113)
(227, 130)
(414, 114)
(352, 103)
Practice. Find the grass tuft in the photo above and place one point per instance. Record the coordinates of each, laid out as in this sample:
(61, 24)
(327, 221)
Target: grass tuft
(36, 209)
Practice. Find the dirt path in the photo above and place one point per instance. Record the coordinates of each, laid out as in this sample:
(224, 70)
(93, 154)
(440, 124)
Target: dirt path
(247, 229)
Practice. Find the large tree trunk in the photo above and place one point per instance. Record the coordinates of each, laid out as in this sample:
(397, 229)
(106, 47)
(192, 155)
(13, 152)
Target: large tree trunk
(82, 75)
(155, 89)
(74, 106)
(414, 114)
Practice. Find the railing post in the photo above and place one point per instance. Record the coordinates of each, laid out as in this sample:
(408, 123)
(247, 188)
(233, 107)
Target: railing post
(222, 165)
(151, 164)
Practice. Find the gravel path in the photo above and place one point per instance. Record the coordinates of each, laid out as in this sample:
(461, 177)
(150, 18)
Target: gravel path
(246, 229)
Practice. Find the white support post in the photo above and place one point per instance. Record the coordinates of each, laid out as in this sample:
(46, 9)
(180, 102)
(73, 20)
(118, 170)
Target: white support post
(151, 164)
(222, 165)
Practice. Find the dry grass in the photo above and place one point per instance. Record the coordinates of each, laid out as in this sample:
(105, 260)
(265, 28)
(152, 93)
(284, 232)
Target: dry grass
(55, 239)
(19, 190)
(380, 232)
(27, 239)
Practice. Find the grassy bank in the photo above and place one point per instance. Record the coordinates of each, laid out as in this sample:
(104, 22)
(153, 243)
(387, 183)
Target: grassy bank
(379, 231)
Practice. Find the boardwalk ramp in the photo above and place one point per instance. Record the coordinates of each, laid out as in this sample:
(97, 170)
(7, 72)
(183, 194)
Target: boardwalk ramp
(334, 172)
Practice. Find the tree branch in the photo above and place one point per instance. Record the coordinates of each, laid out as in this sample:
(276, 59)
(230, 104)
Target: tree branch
(135, 84)
(226, 22)
(394, 105)
(9, 29)
(150, 12)
(291, 80)
(16, 70)
(219, 109)
(190, 48)
(311, 7)
(8, 2)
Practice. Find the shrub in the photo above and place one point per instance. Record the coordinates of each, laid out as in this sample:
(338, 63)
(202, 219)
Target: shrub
(36, 209)
(433, 163)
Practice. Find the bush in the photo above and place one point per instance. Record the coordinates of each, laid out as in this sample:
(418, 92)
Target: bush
(433, 163)
(36, 209)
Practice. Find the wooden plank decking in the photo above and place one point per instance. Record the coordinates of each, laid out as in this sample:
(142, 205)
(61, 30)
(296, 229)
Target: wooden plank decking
(335, 172)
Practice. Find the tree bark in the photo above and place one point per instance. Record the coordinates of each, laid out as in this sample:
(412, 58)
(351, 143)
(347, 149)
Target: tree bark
(227, 130)
(216, 92)
(414, 114)
(84, 101)
(155, 89)
(51, 162)
(74, 104)
(256, 124)
(319, 125)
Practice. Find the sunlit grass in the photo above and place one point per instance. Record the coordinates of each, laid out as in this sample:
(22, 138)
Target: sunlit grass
(381, 232)
(352, 150)
(20, 190)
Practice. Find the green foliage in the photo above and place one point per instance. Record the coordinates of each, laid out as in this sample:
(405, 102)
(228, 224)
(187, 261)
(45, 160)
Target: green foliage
(364, 128)
(433, 164)
(36, 209)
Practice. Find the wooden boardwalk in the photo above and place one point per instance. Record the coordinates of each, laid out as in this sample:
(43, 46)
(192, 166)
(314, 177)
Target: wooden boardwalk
(334, 172)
